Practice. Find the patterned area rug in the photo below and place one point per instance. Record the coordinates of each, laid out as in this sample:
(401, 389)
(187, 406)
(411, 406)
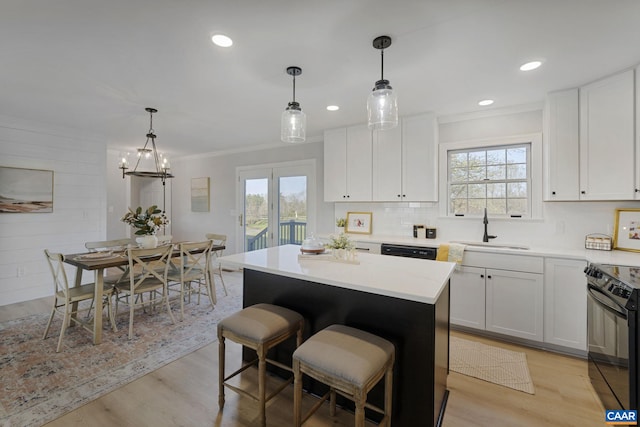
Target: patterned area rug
(39, 385)
(492, 364)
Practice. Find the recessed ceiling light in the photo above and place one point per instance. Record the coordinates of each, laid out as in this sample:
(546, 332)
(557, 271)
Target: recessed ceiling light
(333, 107)
(530, 66)
(221, 40)
(485, 102)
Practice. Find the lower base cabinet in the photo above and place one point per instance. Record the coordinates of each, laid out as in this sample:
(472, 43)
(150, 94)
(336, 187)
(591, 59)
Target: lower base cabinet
(565, 303)
(468, 297)
(515, 304)
(503, 301)
(549, 307)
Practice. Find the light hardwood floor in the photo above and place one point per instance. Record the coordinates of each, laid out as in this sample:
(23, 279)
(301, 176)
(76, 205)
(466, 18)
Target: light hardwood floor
(184, 393)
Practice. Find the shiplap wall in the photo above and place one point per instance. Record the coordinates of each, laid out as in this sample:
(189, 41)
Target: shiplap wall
(79, 204)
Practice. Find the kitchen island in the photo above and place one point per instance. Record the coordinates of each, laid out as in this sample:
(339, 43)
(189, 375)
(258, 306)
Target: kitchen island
(403, 300)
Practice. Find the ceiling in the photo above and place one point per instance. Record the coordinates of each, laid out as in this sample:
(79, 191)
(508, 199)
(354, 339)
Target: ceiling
(95, 64)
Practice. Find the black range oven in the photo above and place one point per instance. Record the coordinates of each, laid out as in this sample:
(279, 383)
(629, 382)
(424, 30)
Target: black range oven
(612, 333)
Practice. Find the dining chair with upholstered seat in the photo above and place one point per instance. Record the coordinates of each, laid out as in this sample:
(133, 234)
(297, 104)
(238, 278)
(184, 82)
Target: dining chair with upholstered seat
(66, 298)
(218, 240)
(145, 276)
(193, 267)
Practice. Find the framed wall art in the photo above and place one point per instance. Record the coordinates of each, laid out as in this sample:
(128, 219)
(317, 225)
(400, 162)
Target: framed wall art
(626, 235)
(26, 190)
(358, 222)
(200, 194)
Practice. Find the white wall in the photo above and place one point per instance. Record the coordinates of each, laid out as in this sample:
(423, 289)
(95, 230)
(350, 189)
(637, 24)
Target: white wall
(79, 204)
(221, 169)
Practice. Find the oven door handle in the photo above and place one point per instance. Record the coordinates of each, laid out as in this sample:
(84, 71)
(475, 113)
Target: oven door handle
(595, 294)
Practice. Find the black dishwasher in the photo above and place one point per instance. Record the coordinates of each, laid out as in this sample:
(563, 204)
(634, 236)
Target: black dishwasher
(409, 251)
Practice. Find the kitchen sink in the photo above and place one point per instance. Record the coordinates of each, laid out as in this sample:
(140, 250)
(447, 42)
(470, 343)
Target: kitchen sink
(493, 245)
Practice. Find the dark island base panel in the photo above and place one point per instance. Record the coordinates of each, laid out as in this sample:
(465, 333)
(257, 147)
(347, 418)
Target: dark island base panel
(419, 331)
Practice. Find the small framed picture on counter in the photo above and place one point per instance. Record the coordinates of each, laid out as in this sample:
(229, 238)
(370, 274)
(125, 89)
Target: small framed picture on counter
(626, 235)
(358, 222)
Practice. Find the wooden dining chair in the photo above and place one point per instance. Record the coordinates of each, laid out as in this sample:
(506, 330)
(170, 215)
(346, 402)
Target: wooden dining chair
(221, 240)
(145, 276)
(65, 298)
(193, 268)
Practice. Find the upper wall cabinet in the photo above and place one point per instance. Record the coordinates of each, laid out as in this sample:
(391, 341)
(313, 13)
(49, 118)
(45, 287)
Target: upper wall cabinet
(405, 161)
(561, 146)
(607, 153)
(347, 164)
(589, 141)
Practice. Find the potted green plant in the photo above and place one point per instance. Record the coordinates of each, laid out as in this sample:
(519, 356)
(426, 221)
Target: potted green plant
(341, 247)
(340, 223)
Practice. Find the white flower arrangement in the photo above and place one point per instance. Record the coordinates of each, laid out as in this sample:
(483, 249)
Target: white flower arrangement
(148, 222)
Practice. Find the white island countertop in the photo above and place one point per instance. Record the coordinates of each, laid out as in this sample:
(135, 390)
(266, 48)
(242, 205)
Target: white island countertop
(406, 278)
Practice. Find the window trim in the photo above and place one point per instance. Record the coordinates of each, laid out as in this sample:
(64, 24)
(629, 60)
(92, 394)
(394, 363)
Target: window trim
(535, 139)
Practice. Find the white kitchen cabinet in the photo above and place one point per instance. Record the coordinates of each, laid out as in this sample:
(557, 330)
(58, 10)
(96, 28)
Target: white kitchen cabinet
(501, 293)
(347, 164)
(468, 297)
(565, 303)
(387, 165)
(515, 304)
(561, 146)
(420, 158)
(607, 145)
(405, 161)
(367, 247)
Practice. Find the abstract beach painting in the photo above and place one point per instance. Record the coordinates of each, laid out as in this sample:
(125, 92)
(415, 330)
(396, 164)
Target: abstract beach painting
(25, 190)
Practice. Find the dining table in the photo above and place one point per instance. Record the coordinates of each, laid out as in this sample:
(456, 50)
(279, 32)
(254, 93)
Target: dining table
(99, 262)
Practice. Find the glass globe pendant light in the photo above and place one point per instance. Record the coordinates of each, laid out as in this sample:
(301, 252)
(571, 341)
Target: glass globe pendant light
(382, 104)
(294, 121)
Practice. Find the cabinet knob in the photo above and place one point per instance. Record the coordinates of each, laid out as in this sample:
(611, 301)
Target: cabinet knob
(404, 195)
(398, 195)
(583, 192)
(637, 191)
(482, 276)
(348, 196)
(553, 192)
(488, 277)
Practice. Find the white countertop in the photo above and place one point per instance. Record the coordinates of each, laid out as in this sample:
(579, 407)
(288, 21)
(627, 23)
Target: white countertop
(406, 278)
(602, 257)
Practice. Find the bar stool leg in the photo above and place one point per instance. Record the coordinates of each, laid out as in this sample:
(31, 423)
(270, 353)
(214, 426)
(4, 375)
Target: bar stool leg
(262, 380)
(297, 394)
(360, 399)
(332, 402)
(388, 394)
(221, 354)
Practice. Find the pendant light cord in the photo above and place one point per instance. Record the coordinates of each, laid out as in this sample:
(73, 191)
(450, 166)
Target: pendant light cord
(381, 64)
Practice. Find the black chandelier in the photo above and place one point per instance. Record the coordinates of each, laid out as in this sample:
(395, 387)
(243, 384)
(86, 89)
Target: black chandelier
(161, 163)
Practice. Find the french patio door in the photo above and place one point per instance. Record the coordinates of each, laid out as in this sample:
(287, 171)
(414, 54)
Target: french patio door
(276, 204)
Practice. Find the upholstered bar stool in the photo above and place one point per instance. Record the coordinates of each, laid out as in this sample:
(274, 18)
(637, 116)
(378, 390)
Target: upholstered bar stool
(259, 327)
(351, 362)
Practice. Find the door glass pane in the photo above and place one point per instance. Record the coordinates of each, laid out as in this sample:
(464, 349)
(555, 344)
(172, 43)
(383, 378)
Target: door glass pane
(292, 210)
(256, 213)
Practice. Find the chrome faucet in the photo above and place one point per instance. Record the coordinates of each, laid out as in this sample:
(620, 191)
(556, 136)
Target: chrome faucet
(486, 236)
